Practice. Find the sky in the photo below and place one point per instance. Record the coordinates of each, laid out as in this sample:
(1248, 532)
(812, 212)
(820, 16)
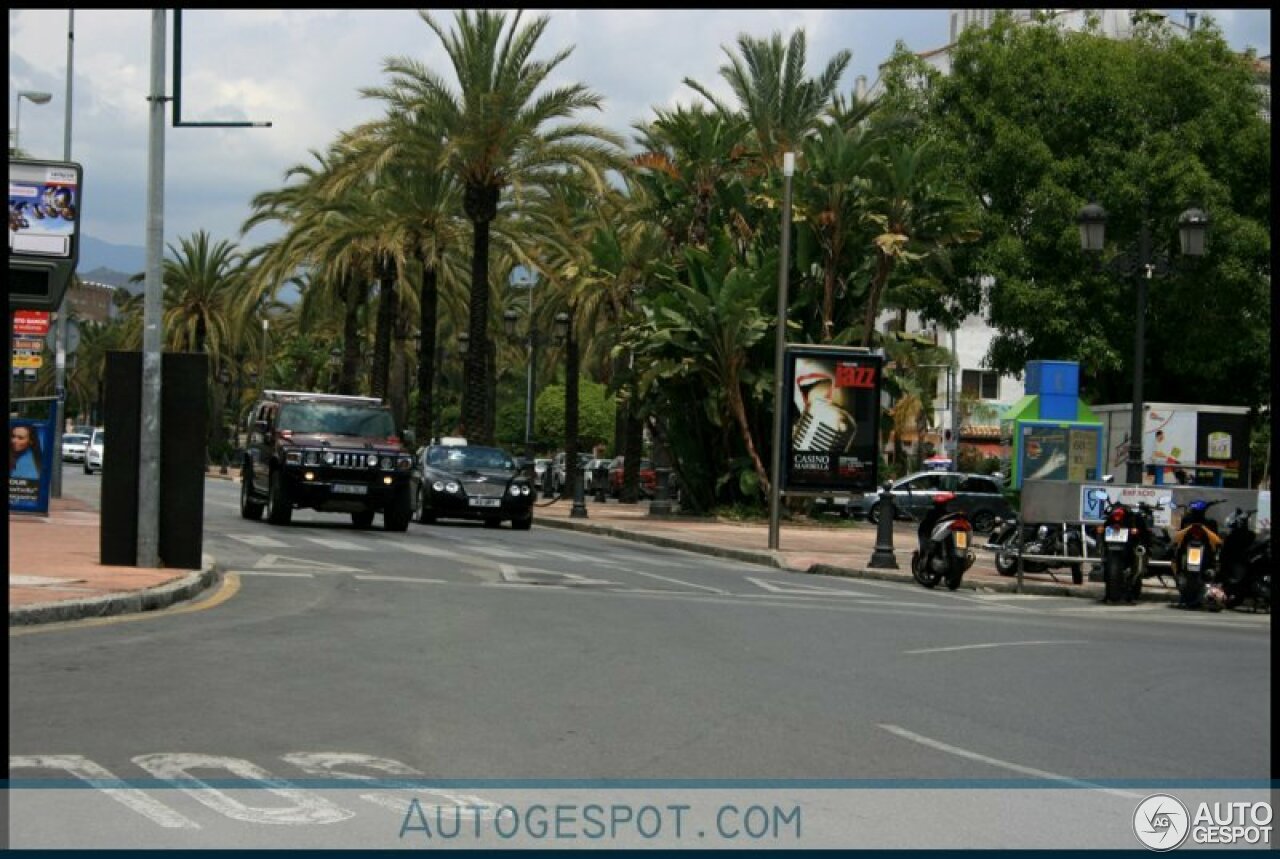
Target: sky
(302, 70)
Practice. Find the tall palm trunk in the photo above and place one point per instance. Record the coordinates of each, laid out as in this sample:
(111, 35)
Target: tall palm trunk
(739, 409)
(571, 431)
(427, 322)
(884, 267)
(480, 203)
(355, 293)
(382, 335)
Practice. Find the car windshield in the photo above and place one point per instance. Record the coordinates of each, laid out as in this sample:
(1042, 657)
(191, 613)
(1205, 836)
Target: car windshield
(336, 419)
(74, 439)
(100, 438)
(463, 458)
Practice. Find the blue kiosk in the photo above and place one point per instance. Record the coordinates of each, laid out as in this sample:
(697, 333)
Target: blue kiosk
(1051, 433)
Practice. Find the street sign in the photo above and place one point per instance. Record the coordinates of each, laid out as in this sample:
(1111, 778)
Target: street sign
(30, 344)
(27, 361)
(31, 322)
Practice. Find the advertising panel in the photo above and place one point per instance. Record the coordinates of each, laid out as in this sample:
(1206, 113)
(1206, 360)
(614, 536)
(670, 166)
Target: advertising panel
(30, 464)
(1048, 451)
(1222, 441)
(832, 429)
(1169, 438)
(43, 201)
(1153, 496)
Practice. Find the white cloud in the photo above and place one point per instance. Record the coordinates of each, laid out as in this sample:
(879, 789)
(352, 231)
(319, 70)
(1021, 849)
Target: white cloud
(302, 71)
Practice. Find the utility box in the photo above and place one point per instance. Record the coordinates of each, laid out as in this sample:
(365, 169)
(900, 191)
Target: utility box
(183, 418)
(1053, 379)
(44, 231)
(1182, 443)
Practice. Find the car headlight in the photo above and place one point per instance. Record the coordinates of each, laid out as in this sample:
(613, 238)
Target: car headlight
(452, 486)
(514, 490)
(371, 460)
(329, 457)
(438, 486)
(311, 458)
(293, 457)
(524, 490)
(385, 463)
(404, 463)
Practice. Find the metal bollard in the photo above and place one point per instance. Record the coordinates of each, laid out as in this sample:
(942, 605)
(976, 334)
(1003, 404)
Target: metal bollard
(579, 510)
(883, 556)
(661, 503)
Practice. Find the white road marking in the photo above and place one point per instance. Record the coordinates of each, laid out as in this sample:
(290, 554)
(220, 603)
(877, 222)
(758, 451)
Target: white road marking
(495, 552)
(985, 646)
(260, 541)
(409, 579)
(512, 576)
(282, 562)
(676, 582)
(996, 762)
(326, 765)
(279, 574)
(341, 545)
(808, 590)
(303, 806)
(88, 771)
(419, 549)
(575, 557)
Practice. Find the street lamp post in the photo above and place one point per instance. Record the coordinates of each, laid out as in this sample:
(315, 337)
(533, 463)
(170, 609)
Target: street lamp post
(531, 341)
(779, 351)
(1142, 264)
(33, 96)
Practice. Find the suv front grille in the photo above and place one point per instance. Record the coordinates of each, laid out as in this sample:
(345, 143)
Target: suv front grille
(343, 459)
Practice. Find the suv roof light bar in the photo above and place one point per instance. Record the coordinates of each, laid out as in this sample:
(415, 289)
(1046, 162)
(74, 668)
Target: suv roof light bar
(309, 395)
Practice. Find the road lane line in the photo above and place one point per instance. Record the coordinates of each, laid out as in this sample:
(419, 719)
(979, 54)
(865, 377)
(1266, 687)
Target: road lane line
(409, 579)
(341, 545)
(675, 581)
(996, 762)
(451, 554)
(796, 589)
(499, 553)
(274, 573)
(985, 646)
(259, 541)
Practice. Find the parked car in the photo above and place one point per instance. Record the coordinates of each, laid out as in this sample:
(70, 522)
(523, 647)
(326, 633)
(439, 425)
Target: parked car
(589, 474)
(648, 478)
(473, 482)
(94, 451)
(978, 495)
(74, 446)
(558, 478)
(327, 452)
(540, 469)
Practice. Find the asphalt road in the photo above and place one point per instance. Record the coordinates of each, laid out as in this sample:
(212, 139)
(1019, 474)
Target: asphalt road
(461, 652)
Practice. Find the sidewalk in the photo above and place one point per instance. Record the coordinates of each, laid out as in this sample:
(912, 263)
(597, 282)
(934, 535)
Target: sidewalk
(54, 573)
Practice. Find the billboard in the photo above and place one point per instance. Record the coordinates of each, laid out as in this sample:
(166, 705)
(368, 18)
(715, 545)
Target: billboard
(44, 230)
(832, 429)
(30, 464)
(1056, 451)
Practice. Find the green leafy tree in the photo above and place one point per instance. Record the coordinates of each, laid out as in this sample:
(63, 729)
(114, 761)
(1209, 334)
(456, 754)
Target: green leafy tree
(1036, 122)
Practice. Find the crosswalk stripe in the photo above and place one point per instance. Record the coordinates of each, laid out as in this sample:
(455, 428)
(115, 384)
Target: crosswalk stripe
(342, 545)
(260, 541)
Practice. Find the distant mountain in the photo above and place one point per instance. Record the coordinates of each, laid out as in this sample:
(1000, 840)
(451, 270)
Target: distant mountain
(110, 276)
(95, 254)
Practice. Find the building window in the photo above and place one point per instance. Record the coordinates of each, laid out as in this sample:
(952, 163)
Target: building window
(981, 384)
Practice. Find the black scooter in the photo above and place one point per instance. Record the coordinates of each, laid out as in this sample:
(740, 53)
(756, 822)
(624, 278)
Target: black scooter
(1047, 539)
(1244, 564)
(945, 538)
(1126, 533)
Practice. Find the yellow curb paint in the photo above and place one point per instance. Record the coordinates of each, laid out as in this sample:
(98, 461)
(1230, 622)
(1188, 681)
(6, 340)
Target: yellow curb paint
(230, 587)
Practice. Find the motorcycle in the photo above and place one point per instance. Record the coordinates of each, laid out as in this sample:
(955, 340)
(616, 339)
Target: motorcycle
(1049, 539)
(1195, 558)
(1244, 564)
(1126, 532)
(945, 537)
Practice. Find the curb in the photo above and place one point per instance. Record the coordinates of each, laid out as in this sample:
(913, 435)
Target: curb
(1092, 592)
(151, 599)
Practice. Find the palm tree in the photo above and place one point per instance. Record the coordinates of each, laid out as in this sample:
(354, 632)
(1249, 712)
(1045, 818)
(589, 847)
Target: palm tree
(781, 105)
(496, 136)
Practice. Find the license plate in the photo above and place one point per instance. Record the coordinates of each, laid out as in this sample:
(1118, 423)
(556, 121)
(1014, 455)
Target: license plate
(962, 539)
(840, 500)
(486, 502)
(1193, 557)
(350, 489)
(1117, 535)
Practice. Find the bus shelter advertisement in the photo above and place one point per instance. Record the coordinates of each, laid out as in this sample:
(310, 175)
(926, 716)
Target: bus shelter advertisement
(833, 424)
(30, 449)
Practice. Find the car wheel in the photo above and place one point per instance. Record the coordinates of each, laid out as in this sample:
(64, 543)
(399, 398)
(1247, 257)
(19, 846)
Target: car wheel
(873, 513)
(983, 521)
(87, 469)
(424, 516)
(399, 511)
(249, 509)
(278, 510)
(523, 524)
(362, 519)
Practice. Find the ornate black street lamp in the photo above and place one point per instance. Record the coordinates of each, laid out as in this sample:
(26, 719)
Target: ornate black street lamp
(1142, 264)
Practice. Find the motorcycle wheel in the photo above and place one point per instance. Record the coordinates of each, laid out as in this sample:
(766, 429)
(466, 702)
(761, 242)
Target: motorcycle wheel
(1077, 574)
(1135, 590)
(920, 570)
(1112, 578)
(1006, 563)
(954, 576)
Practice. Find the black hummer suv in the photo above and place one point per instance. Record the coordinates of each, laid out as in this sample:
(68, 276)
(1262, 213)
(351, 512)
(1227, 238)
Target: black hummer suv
(335, 454)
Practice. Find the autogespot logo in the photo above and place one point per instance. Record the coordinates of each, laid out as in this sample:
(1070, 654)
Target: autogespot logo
(1161, 822)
